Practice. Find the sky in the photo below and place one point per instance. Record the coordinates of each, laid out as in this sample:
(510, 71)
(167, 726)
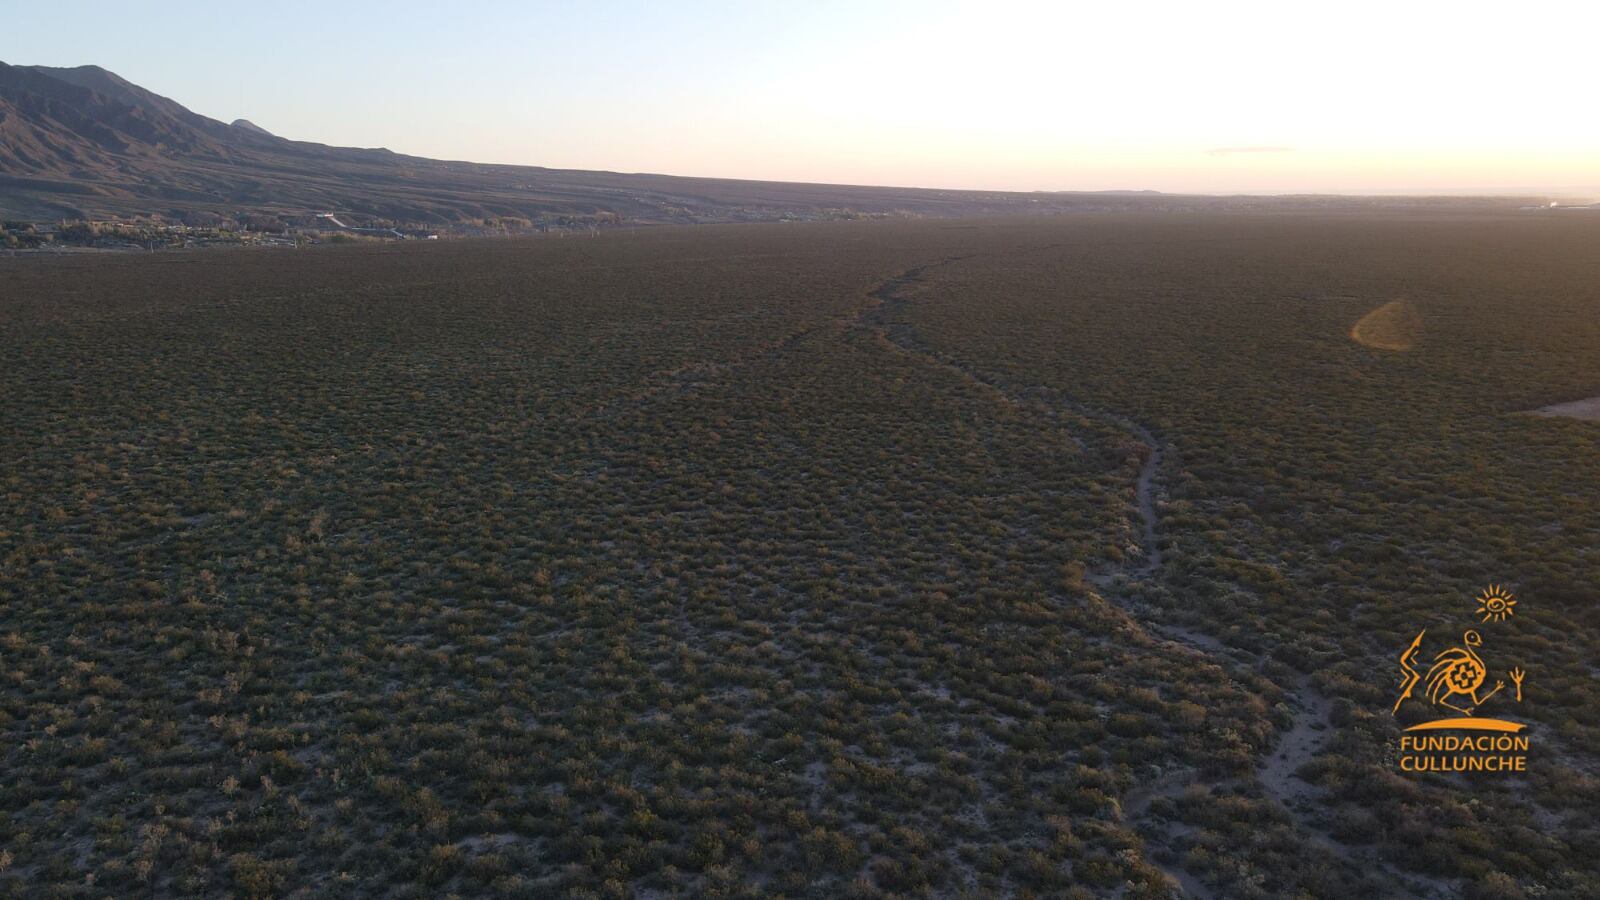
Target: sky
(1213, 97)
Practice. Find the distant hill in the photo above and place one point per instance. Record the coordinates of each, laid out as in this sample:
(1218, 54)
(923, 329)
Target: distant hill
(85, 143)
(252, 127)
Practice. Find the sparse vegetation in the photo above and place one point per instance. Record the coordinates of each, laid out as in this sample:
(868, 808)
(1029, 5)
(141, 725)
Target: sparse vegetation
(694, 562)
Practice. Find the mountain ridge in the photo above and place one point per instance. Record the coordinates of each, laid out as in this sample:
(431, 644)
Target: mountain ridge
(82, 142)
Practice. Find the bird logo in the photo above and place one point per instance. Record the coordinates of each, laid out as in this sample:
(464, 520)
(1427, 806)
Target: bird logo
(1457, 676)
(1459, 672)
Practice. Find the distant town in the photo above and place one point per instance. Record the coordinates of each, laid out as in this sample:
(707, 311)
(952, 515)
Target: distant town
(214, 230)
(205, 229)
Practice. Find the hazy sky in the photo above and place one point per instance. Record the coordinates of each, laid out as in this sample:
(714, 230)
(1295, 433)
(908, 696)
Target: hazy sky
(1195, 96)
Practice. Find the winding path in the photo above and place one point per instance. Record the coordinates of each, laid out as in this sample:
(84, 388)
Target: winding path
(1307, 734)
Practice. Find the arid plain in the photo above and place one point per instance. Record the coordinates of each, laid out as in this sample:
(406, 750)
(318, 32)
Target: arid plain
(1051, 556)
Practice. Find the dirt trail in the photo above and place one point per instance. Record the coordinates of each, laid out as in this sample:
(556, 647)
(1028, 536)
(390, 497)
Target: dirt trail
(1588, 409)
(1308, 732)
(1145, 492)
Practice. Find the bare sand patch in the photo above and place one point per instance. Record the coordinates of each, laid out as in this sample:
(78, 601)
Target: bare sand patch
(1396, 325)
(1587, 408)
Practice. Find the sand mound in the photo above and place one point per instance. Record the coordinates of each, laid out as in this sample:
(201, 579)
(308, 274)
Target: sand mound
(1396, 325)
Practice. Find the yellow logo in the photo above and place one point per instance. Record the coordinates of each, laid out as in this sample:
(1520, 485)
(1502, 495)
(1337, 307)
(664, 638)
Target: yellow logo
(1496, 603)
(1455, 681)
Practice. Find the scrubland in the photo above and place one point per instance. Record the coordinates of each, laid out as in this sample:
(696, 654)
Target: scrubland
(800, 560)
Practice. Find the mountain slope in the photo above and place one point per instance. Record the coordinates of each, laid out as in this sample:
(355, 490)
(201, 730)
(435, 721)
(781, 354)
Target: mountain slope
(253, 128)
(85, 143)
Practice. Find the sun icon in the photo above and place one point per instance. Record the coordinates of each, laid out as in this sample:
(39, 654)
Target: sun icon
(1496, 602)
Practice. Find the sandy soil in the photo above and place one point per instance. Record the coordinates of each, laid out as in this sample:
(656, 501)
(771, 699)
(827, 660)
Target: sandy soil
(1396, 325)
(1587, 408)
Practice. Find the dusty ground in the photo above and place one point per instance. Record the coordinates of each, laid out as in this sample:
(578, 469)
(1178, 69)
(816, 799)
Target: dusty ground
(1587, 409)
